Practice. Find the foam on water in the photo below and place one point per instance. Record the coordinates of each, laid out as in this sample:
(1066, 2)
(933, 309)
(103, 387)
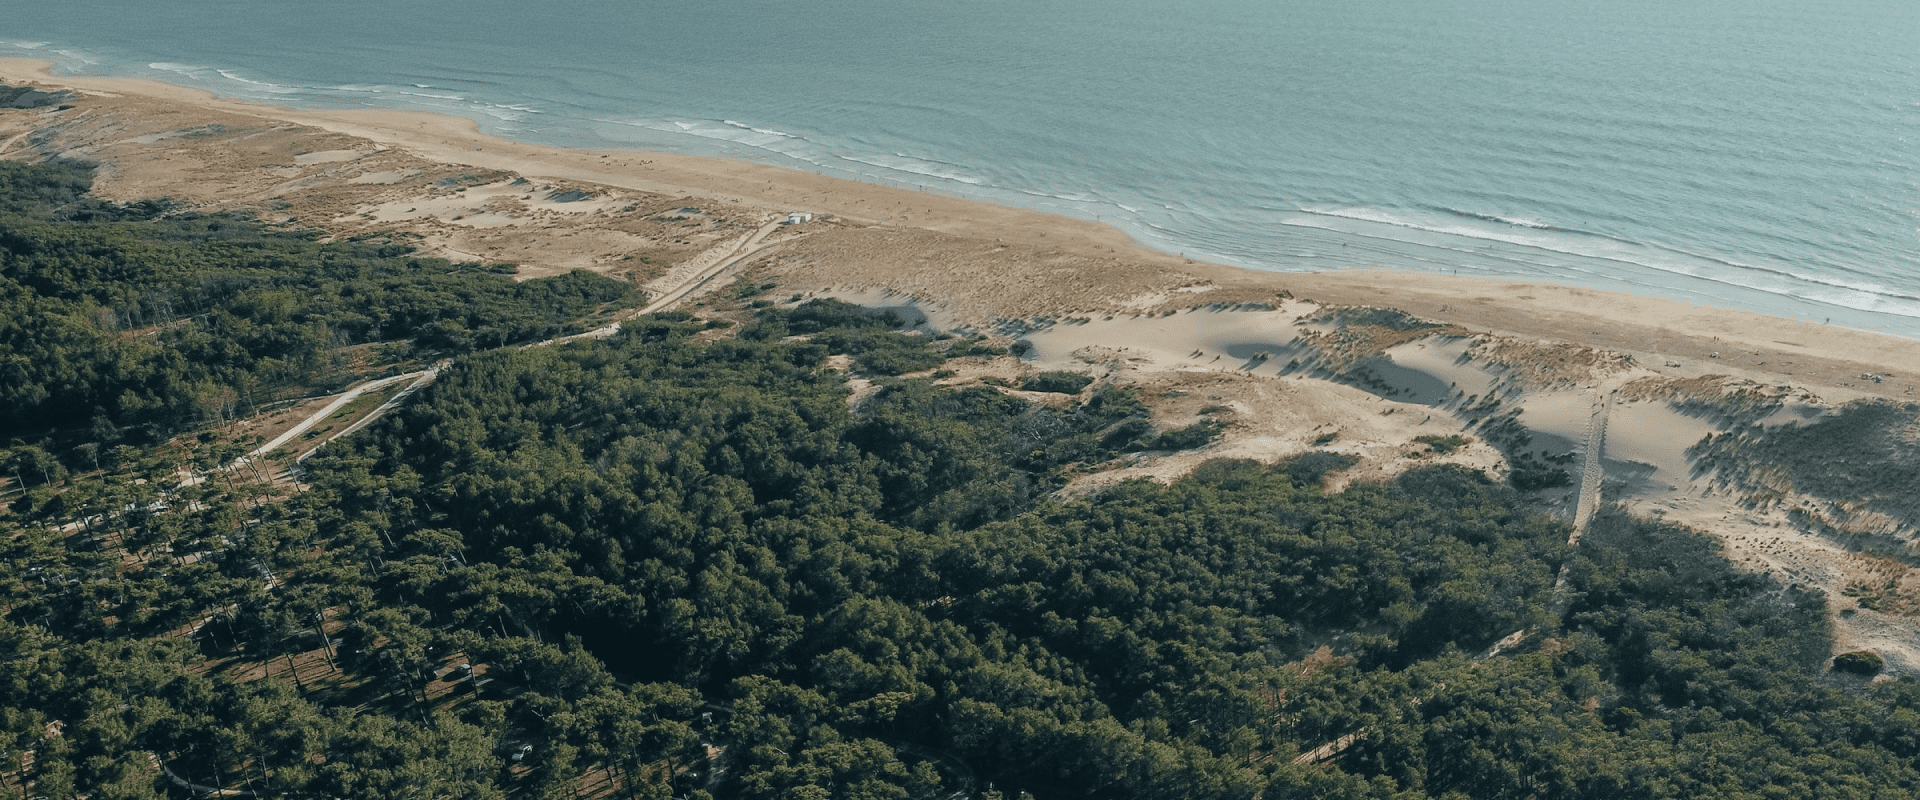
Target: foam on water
(1859, 295)
(264, 86)
(917, 167)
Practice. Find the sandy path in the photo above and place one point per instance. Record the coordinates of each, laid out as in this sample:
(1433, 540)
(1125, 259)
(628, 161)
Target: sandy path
(1592, 472)
(421, 378)
(340, 400)
(705, 274)
(689, 279)
(976, 262)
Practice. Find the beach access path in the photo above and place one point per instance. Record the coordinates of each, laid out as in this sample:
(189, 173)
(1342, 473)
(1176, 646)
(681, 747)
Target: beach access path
(687, 280)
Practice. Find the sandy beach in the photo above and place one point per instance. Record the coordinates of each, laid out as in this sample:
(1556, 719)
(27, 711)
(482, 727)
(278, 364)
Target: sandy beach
(1255, 349)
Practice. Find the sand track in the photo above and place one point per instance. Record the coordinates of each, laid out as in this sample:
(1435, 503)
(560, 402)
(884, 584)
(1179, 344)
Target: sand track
(727, 255)
(702, 270)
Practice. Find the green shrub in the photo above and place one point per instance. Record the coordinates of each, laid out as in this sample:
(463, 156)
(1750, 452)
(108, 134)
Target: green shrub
(1199, 434)
(824, 313)
(1529, 476)
(1443, 444)
(899, 361)
(882, 352)
(1859, 662)
(1129, 435)
(974, 347)
(1056, 382)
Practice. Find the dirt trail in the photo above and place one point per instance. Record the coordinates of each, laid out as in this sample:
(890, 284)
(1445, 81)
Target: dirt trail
(422, 378)
(706, 268)
(703, 275)
(306, 424)
(686, 279)
(1592, 474)
(1591, 470)
(1327, 751)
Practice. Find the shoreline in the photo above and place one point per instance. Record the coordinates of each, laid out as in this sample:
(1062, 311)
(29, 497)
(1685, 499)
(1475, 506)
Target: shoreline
(1655, 330)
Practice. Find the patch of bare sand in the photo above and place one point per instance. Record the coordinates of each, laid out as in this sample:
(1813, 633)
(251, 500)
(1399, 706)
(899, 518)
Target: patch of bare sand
(1199, 340)
(1650, 471)
(985, 260)
(1443, 370)
(1271, 418)
(978, 281)
(1768, 540)
(914, 313)
(1236, 367)
(1436, 386)
(1647, 443)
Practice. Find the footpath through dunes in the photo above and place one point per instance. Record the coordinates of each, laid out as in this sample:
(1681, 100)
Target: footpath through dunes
(1404, 578)
(699, 272)
(1591, 473)
(1592, 476)
(691, 278)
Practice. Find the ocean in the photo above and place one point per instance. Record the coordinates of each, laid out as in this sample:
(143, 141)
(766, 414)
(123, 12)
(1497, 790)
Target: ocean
(1756, 154)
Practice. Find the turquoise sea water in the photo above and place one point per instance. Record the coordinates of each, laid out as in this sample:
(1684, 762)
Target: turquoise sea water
(1758, 154)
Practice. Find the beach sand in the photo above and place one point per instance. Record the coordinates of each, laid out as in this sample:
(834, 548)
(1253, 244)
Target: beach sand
(1187, 333)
